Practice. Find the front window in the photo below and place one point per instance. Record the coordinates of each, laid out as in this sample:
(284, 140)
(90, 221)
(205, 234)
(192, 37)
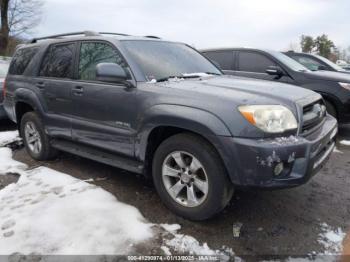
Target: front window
(308, 62)
(289, 62)
(330, 63)
(3, 69)
(159, 60)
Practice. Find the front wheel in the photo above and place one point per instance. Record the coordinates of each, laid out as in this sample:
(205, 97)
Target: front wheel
(190, 177)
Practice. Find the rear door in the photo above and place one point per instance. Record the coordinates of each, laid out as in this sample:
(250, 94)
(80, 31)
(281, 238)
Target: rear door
(223, 58)
(55, 80)
(103, 112)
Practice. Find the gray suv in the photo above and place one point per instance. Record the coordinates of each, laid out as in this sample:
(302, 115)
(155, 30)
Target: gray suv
(162, 109)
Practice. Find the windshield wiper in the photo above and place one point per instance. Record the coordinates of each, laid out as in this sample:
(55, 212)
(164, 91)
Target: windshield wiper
(169, 77)
(212, 73)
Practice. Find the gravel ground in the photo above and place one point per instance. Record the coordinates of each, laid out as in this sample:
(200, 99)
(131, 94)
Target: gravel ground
(284, 222)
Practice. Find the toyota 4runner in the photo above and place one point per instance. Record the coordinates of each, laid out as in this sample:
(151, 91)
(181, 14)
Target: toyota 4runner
(162, 109)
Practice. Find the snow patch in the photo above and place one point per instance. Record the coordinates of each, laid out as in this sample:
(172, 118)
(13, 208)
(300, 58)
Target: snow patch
(196, 74)
(48, 212)
(185, 244)
(8, 137)
(7, 164)
(345, 142)
(331, 239)
(336, 150)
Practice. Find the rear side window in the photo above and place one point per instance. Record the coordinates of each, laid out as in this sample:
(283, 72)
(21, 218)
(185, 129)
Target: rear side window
(58, 61)
(21, 60)
(93, 53)
(254, 62)
(223, 58)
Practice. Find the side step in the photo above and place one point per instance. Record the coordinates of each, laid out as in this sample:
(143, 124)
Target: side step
(98, 155)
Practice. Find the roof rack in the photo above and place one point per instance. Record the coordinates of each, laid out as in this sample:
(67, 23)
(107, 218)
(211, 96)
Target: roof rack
(109, 33)
(85, 33)
(152, 36)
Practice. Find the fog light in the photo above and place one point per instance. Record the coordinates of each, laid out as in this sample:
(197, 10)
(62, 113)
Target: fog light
(278, 169)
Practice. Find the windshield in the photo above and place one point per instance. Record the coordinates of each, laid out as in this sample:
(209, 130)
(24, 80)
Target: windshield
(330, 63)
(3, 69)
(289, 62)
(160, 60)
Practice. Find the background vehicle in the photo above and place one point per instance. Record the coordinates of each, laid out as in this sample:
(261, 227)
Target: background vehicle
(4, 65)
(161, 108)
(315, 62)
(275, 66)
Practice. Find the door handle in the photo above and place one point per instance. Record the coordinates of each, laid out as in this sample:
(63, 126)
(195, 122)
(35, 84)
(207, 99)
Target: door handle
(40, 85)
(78, 90)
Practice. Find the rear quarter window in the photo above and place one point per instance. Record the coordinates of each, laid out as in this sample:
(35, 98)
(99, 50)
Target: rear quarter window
(21, 60)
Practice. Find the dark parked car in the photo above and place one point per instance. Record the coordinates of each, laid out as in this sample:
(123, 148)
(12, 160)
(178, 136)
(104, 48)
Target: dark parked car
(162, 109)
(315, 62)
(275, 66)
(4, 65)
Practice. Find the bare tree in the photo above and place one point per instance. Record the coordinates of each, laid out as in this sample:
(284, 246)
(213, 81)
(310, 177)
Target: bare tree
(18, 17)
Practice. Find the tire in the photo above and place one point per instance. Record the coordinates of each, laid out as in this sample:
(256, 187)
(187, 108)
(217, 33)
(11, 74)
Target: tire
(331, 109)
(33, 134)
(195, 152)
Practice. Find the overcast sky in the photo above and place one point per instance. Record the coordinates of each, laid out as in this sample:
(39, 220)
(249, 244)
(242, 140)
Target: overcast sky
(273, 24)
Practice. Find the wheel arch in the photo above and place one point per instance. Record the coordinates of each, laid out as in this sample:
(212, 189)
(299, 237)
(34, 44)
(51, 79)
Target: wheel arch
(167, 122)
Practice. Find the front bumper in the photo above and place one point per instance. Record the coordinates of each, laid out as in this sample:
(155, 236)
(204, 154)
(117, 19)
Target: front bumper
(253, 162)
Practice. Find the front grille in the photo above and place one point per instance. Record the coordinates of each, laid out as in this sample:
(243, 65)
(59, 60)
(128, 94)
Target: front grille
(313, 116)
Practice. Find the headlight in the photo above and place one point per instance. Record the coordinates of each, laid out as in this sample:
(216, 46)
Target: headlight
(269, 118)
(345, 85)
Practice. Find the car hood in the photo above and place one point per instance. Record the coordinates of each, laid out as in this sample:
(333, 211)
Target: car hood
(328, 76)
(243, 90)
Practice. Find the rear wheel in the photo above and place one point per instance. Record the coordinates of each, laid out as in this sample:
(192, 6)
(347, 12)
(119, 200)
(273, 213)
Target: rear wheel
(37, 143)
(331, 109)
(190, 177)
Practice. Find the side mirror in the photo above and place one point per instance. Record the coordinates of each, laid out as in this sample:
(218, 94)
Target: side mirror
(274, 71)
(321, 67)
(110, 72)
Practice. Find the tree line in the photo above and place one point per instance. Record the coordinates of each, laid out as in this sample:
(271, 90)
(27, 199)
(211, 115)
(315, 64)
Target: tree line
(18, 19)
(323, 46)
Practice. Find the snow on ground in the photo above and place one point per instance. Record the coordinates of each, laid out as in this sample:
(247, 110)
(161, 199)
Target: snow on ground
(49, 212)
(8, 137)
(345, 142)
(331, 239)
(336, 150)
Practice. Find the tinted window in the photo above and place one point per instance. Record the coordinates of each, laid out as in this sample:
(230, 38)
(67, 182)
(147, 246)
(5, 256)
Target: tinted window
(308, 62)
(93, 53)
(158, 59)
(254, 62)
(58, 61)
(21, 60)
(223, 58)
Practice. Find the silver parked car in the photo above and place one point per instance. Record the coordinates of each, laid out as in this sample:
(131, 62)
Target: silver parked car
(4, 65)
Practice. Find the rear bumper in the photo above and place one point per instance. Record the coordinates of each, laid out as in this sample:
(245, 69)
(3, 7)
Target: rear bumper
(253, 163)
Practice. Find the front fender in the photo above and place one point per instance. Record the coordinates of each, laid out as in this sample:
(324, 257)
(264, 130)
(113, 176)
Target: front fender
(192, 119)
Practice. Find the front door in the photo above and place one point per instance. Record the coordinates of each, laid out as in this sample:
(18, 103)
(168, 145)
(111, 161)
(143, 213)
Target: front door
(253, 64)
(104, 112)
